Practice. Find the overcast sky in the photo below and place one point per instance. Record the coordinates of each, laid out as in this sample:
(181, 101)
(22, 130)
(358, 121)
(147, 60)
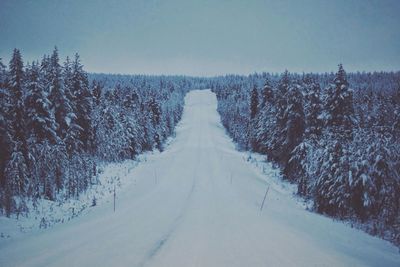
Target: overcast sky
(206, 37)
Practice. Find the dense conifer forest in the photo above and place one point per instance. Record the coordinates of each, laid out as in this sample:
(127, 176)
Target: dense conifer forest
(57, 122)
(337, 136)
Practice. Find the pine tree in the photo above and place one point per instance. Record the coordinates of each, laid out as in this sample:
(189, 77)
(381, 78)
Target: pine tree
(254, 103)
(153, 129)
(281, 101)
(16, 87)
(278, 135)
(294, 118)
(60, 104)
(6, 142)
(83, 103)
(40, 119)
(17, 168)
(314, 123)
(70, 129)
(253, 119)
(332, 186)
(387, 188)
(96, 91)
(267, 93)
(3, 75)
(266, 120)
(339, 105)
(297, 167)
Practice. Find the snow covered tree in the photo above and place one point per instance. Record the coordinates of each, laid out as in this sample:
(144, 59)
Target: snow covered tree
(294, 119)
(347, 160)
(6, 142)
(396, 124)
(296, 168)
(254, 103)
(40, 120)
(3, 75)
(387, 187)
(339, 105)
(314, 123)
(16, 89)
(266, 120)
(97, 92)
(16, 178)
(52, 126)
(281, 100)
(332, 187)
(16, 172)
(70, 129)
(267, 93)
(253, 120)
(51, 76)
(83, 103)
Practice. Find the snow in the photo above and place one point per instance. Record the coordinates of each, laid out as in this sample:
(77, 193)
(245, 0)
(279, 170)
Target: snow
(198, 204)
(45, 213)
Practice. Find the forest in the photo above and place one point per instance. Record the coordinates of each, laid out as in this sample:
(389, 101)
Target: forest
(57, 122)
(335, 135)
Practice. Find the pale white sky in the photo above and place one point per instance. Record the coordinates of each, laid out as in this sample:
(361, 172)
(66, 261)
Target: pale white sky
(206, 37)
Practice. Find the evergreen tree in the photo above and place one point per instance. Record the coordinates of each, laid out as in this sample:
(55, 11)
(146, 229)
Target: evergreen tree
(314, 123)
(83, 103)
(6, 142)
(254, 103)
(96, 91)
(339, 105)
(387, 188)
(267, 93)
(278, 134)
(16, 87)
(266, 121)
(253, 120)
(3, 75)
(70, 130)
(40, 120)
(294, 118)
(60, 104)
(281, 101)
(17, 168)
(297, 168)
(332, 187)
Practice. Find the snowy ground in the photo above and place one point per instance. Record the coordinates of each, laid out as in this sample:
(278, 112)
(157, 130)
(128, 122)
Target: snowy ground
(198, 204)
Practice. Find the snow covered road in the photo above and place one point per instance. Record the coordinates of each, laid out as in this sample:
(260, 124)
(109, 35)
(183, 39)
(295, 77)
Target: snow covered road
(198, 204)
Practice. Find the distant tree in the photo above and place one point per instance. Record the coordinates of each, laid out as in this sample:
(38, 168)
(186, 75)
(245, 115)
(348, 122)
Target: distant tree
(96, 91)
(3, 75)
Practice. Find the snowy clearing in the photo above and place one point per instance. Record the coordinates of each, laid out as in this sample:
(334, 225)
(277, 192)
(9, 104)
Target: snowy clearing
(198, 204)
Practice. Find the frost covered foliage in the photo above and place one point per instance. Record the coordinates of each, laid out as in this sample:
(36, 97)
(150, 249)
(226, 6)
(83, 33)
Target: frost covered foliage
(339, 144)
(55, 124)
(135, 113)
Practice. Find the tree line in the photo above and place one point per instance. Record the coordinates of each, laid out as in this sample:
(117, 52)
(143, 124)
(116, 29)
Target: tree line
(338, 141)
